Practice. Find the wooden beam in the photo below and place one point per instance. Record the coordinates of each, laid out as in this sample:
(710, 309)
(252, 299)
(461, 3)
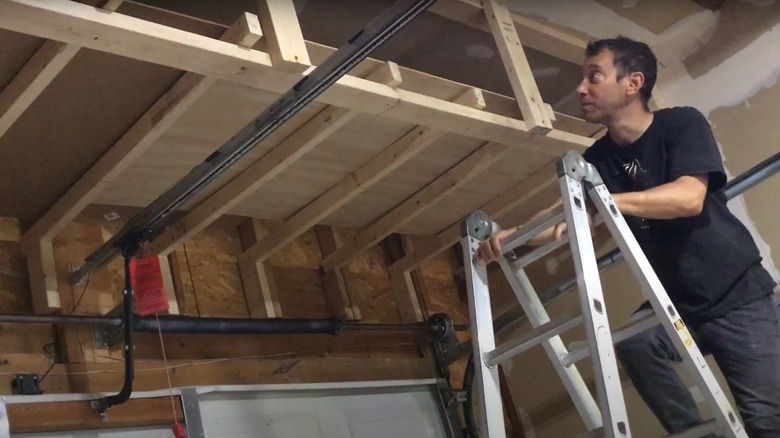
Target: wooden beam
(333, 282)
(131, 37)
(445, 184)
(43, 278)
(150, 375)
(277, 160)
(262, 296)
(139, 138)
(285, 39)
(50, 59)
(373, 170)
(521, 78)
(79, 415)
(522, 192)
(533, 33)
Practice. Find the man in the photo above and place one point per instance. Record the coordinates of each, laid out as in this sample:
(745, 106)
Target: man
(665, 172)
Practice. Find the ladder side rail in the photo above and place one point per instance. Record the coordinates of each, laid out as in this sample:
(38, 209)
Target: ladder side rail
(662, 305)
(608, 386)
(488, 389)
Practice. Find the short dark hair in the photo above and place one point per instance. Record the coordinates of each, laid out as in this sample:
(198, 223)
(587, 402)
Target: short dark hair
(630, 56)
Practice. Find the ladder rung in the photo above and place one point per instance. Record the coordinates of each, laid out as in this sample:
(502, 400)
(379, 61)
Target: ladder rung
(533, 228)
(697, 431)
(596, 433)
(539, 252)
(622, 334)
(531, 339)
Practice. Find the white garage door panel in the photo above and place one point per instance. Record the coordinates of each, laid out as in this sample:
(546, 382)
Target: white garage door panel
(251, 418)
(408, 413)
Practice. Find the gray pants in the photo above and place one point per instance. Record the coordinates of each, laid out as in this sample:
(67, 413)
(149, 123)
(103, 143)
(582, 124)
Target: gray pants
(746, 346)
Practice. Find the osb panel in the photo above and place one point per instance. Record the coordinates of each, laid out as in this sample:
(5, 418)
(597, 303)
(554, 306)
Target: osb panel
(739, 24)
(368, 285)
(212, 261)
(14, 283)
(300, 292)
(19, 343)
(15, 51)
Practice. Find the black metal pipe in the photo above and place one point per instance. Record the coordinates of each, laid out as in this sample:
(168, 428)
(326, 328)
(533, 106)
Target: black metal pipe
(196, 325)
(147, 223)
(129, 346)
(752, 177)
(62, 319)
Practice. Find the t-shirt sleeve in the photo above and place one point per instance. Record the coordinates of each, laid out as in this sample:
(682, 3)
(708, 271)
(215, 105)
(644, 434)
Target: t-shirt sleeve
(692, 149)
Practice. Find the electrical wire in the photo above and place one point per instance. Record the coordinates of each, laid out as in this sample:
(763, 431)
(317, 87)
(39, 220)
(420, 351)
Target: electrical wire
(165, 362)
(58, 331)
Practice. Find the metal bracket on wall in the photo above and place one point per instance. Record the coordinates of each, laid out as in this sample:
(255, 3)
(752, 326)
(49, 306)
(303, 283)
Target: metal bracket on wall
(192, 418)
(107, 336)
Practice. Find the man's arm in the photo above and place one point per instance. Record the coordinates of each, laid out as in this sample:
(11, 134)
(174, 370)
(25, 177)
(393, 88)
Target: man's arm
(683, 197)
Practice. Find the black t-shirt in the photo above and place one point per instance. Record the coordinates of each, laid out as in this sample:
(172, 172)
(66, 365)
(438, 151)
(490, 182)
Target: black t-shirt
(709, 263)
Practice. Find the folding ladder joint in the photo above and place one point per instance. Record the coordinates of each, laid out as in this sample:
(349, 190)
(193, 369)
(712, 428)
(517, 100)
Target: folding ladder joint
(479, 226)
(574, 165)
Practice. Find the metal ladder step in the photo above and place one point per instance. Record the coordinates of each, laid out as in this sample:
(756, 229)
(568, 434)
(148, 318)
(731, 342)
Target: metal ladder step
(621, 334)
(697, 431)
(531, 339)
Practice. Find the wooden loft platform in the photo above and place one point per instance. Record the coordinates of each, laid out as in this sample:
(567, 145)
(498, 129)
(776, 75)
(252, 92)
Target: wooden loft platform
(112, 108)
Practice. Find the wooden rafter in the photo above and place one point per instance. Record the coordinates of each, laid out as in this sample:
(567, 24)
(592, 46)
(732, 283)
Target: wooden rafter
(127, 36)
(521, 78)
(285, 39)
(283, 155)
(381, 165)
(36, 242)
(520, 193)
(139, 138)
(50, 59)
(262, 296)
(445, 184)
(532, 33)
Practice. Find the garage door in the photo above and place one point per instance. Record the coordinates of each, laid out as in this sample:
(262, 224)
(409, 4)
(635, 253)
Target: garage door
(379, 412)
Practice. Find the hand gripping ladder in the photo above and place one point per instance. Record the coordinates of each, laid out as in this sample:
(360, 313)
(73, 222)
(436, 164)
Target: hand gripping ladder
(606, 417)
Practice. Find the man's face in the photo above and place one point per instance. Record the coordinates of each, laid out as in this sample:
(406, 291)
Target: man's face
(601, 94)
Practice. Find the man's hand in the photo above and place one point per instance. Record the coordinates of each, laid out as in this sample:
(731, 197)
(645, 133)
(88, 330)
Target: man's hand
(491, 249)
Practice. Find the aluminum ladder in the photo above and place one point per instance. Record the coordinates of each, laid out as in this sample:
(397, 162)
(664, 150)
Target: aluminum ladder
(604, 415)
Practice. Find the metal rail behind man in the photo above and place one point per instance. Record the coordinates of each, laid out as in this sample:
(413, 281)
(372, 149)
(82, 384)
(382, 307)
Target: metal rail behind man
(665, 172)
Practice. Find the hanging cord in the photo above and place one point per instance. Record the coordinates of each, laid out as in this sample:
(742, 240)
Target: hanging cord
(167, 369)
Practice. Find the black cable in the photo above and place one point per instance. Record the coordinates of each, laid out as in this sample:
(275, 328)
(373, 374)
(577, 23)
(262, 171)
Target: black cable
(58, 331)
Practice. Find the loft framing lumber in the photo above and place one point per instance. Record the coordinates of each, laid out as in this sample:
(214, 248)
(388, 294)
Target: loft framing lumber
(285, 39)
(262, 295)
(311, 134)
(139, 138)
(521, 78)
(131, 37)
(495, 208)
(445, 184)
(381, 165)
(532, 33)
(36, 242)
(47, 62)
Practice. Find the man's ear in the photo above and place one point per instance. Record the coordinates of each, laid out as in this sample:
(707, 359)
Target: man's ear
(636, 81)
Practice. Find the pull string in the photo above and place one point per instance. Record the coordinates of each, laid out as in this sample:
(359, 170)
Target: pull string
(167, 370)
